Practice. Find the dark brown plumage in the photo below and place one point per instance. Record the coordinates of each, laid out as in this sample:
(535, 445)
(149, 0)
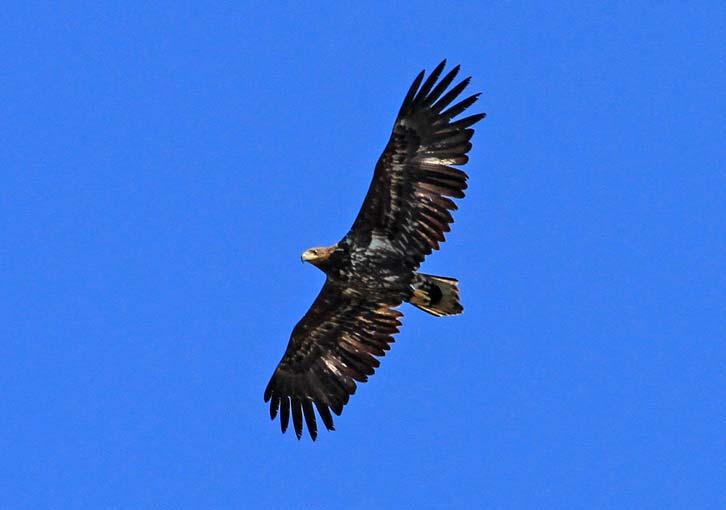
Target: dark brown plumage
(373, 269)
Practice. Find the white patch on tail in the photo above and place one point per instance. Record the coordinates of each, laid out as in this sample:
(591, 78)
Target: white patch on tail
(436, 295)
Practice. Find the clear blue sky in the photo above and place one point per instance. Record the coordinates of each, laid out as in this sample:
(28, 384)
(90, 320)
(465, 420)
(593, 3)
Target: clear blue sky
(164, 167)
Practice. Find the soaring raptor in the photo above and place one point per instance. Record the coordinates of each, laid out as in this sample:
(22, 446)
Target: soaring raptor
(374, 268)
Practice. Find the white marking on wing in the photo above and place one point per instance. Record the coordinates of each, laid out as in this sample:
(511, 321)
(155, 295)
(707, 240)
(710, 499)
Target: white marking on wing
(379, 242)
(437, 161)
(331, 366)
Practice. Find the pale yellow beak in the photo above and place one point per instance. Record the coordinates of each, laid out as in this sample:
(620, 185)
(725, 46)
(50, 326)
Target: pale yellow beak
(308, 256)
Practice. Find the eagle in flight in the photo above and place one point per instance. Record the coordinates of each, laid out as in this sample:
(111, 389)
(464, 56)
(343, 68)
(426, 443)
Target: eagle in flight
(374, 268)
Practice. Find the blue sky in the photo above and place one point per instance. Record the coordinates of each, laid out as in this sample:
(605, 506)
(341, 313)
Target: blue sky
(164, 166)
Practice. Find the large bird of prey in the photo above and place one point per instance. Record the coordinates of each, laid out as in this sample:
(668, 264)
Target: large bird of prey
(373, 269)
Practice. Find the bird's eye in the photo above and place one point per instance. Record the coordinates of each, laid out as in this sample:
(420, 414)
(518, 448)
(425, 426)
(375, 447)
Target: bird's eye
(315, 252)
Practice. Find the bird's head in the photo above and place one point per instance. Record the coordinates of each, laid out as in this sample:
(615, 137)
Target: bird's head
(318, 256)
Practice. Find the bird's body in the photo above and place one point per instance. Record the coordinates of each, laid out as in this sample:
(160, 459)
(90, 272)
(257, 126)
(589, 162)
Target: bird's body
(369, 271)
(374, 268)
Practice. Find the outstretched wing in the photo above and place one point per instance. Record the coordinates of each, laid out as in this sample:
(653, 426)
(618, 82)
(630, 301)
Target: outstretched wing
(333, 346)
(409, 200)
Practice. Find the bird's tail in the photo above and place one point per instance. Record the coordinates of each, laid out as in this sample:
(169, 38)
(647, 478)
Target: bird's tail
(436, 295)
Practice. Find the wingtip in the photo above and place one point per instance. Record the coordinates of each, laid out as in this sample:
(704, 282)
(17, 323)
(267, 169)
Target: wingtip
(274, 407)
(268, 391)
